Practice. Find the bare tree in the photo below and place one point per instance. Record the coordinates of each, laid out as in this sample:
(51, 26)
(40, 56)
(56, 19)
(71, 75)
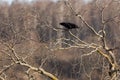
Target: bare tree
(109, 67)
(35, 47)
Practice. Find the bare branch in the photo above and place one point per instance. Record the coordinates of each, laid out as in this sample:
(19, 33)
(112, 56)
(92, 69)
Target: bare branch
(81, 18)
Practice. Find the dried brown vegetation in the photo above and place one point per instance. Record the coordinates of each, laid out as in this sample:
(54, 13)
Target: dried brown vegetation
(32, 47)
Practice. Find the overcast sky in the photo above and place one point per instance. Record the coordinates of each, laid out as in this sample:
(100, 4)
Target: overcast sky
(31, 0)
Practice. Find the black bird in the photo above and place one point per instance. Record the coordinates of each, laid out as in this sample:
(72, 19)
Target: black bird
(68, 25)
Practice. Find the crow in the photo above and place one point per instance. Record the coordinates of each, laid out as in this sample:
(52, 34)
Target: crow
(68, 25)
